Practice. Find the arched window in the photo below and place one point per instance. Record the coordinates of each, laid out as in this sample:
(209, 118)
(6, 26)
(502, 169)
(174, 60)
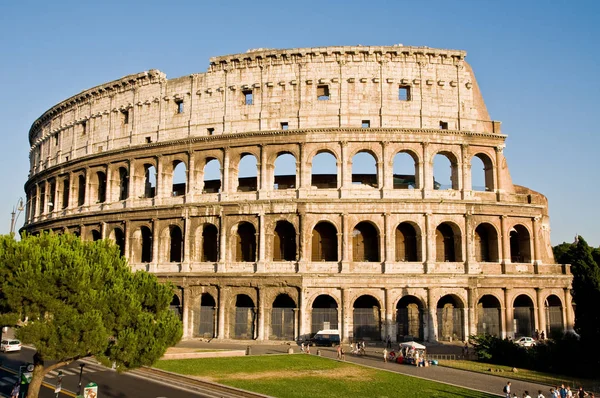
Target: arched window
(482, 173)
(409, 319)
(367, 318)
(101, 187)
(206, 319)
(176, 247)
(247, 174)
(488, 316)
(450, 319)
(285, 171)
(118, 237)
(406, 172)
(324, 313)
(448, 243)
(554, 318)
(146, 243)
(123, 183)
(324, 242)
(407, 248)
(324, 171)
(282, 318)
(445, 171)
(365, 242)
(81, 190)
(210, 243)
(149, 181)
(245, 242)
(212, 176)
(179, 178)
(520, 246)
(96, 235)
(523, 315)
(486, 243)
(364, 170)
(245, 318)
(284, 242)
(66, 192)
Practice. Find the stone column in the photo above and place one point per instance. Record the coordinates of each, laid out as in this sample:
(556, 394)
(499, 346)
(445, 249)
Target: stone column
(536, 243)
(264, 175)
(472, 312)
(345, 313)
(427, 170)
(160, 177)
(388, 242)
(187, 325)
(302, 171)
(225, 185)
(389, 315)
(499, 161)
(468, 256)
(465, 181)
(88, 182)
(222, 245)
(260, 265)
(192, 181)
(383, 169)
(541, 310)
(432, 313)
(429, 244)
(302, 311)
(155, 244)
(508, 315)
(568, 317)
(344, 244)
(303, 255)
(221, 310)
(262, 333)
(345, 174)
(505, 235)
(296, 324)
(186, 242)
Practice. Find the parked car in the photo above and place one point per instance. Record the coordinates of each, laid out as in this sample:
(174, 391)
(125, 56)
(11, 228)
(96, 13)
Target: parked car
(10, 345)
(525, 341)
(327, 337)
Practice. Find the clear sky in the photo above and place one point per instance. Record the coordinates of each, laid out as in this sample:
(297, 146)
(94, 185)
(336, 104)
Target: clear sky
(536, 62)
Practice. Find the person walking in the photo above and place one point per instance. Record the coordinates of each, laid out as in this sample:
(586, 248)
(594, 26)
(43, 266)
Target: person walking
(540, 395)
(526, 394)
(15, 390)
(506, 390)
(581, 393)
(389, 342)
(385, 354)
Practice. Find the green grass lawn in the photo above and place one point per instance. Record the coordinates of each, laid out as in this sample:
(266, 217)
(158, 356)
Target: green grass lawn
(300, 376)
(522, 374)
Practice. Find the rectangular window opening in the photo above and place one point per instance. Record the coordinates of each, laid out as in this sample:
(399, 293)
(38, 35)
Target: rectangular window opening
(284, 125)
(248, 97)
(179, 104)
(404, 93)
(83, 128)
(210, 131)
(148, 140)
(323, 92)
(125, 116)
(366, 124)
(56, 139)
(443, 125)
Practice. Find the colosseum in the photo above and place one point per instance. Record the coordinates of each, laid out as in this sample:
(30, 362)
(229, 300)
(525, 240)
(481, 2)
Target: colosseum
(288, 191)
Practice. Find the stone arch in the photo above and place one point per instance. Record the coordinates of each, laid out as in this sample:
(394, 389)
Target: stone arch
(323, 166)
(406, 170)
(212, 176)
(247, 173)
(489, 315)
(410, 314)
(282, 318)
(520, 244)
(486, 243)
(324, 242)
(523, 315)
(553, 311)
(175, 236)
(176, 306)
(179, 178)
(98, 187)
(324, 314)
(123, 183)
(364, 169)
(244, 321)
(285, 163)
(118, 236)
(482, 180)
(366, 318)
(365, 242)
(284, 241)
(149, 180)
(207, 317)
(245, 242)
(441, 178)
(141, 250)
(448, 242)
(95, 235)
(81, 185)
(450, 318)
(208, 234)
(408, 242)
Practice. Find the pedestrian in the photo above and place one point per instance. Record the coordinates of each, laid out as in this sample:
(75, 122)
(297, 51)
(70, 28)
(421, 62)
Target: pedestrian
(543, 335)
(389, 342)
(343, 353)
(536, 335)
(526, 394)
(339, 351)
(385, 354)
(15, 390)
(466, 350)
(554, 393)
(302, 347)
(569, 392)
(540, 395)
(307, 348)
(581, 393)
(506, 389)
(563, 391)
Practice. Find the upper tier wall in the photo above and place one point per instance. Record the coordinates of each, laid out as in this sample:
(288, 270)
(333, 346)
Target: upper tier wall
(268, 90)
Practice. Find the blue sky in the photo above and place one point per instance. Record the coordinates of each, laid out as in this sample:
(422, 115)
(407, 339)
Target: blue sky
(536, 62)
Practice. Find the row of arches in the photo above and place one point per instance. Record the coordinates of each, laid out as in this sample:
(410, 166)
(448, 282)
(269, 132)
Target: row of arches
(410, 317)
(365, 240)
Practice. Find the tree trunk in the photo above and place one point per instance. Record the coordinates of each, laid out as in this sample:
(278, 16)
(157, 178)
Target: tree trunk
(36, 381)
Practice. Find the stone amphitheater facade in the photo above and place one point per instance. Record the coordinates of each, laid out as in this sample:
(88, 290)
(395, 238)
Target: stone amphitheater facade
(263, 251)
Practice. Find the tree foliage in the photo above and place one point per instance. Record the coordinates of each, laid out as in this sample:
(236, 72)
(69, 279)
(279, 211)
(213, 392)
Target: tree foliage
(75, 299)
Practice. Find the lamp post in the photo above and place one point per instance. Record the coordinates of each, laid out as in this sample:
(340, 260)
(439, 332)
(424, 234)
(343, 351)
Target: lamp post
(80, 373)
(16, 212)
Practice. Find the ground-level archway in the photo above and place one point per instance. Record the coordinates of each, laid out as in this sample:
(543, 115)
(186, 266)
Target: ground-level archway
(409, 319)
(244, 322)
(488, 316)
(523, 316)
(324, 313)
(554, 315)
(205, 322)
(367, 318)
(282, 318)
(450, 319)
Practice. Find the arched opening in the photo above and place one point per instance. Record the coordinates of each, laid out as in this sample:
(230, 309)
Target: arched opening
(65, 193)
(523, 316)
(118, 237)
(324, 242)
(206, 320)
(324, 171)
(450, 319)
(175, 306)
(210, 243)
(554, 316)
(364, 170)
(488, 315)
(284, 242)
(247, 174)
(179, 178)
(407, 243)
(324, 313)
(367, 318)
(282, 318)
(445, 171)
(486, 243)
(149, 181)
(176, 247)
(520, 246)
(406, 173)
(409, 319)
(285, 172)
(245, 317)
(123, 183)
(146, 242)
(101, 187)
(245, 242)
(80, 190)
(482, 173)
(96, 235)
(447, 243)
(212, 176)
(365, 243)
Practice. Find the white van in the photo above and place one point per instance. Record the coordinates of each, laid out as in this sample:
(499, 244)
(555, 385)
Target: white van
(326, 337)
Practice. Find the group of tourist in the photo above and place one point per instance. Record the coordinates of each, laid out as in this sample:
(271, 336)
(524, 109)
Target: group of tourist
(558, 392)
